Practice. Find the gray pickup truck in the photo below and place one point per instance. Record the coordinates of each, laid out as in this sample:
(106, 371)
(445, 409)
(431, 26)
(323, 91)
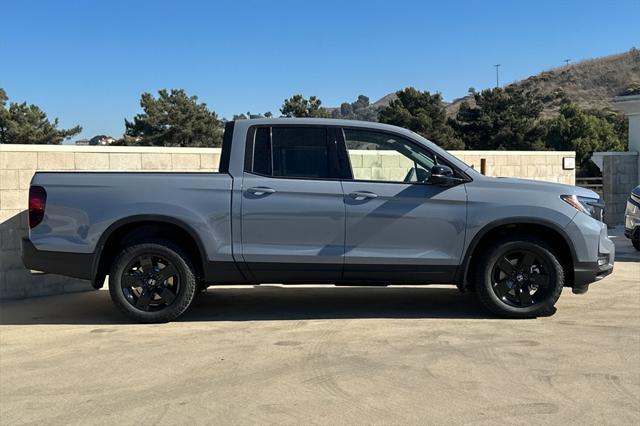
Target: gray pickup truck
(318, 201)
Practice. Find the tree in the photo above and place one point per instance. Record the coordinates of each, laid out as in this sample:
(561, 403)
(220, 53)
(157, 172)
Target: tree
(173, 119)
(28, 124)
(502, 118)
(248, 115)
(423, 113)
(585, 131)
(358, 110)
(298, 106)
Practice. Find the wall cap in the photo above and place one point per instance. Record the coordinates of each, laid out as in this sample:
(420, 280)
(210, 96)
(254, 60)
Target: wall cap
(106, 149)
(503, 152)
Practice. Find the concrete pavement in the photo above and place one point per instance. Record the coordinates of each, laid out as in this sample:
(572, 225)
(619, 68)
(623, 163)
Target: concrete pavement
(400, 355)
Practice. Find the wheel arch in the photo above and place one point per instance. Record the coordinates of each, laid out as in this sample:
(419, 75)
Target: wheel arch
(147, 226)
(549, 231)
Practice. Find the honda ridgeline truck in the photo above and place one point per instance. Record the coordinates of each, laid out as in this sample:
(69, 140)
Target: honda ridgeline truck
(318, 201)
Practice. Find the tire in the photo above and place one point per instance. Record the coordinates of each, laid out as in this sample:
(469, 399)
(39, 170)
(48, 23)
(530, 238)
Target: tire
(144, 290)
(532, 268)
(636, 243)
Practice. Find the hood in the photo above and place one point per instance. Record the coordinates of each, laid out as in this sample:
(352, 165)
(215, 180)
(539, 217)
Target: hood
(551, 187)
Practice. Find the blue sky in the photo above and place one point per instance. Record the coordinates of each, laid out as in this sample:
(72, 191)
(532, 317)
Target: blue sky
(87, 62)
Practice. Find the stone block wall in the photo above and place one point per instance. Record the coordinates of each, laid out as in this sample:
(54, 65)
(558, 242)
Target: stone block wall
(619, 177)
(538, 165)
(19, 162)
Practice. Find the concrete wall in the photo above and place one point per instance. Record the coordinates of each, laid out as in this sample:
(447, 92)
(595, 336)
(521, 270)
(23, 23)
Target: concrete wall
(619, 177)
(19, 162)
(539, 165)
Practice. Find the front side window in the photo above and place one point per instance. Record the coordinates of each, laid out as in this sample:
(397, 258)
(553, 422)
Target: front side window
(376, 156)
(294, 152)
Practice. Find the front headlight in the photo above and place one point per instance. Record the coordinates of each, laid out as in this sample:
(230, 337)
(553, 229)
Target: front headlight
(594, 207)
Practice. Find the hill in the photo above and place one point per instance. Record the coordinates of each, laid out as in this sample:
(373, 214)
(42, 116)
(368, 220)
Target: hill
(591, 83)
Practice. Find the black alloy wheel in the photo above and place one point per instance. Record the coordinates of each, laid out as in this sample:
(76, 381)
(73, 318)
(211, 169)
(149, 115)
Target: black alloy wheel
(150, 282)
(520, 278)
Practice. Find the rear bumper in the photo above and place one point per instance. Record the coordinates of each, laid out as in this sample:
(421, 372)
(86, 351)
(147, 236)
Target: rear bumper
(77, 265)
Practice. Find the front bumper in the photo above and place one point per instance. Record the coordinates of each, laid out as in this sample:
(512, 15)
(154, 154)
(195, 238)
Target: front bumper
(585, 273)
(632, 219)
(588, 273)
(632, 233)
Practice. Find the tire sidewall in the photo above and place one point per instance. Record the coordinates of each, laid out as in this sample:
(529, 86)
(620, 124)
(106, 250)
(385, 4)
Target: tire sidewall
(185, 274)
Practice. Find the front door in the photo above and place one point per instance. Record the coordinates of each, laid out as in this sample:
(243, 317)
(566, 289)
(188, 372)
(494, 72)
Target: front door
(293, 214)
(400, 227)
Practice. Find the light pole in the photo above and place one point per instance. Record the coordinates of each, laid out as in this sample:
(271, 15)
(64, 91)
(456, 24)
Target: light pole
(497, 74)
(566, 62)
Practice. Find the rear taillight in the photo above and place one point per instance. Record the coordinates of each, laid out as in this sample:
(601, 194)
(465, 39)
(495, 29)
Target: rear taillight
(37, 204)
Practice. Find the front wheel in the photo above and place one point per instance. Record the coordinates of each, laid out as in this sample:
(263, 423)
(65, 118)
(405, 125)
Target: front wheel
(636, 243)
(519, 277)
(152, 282)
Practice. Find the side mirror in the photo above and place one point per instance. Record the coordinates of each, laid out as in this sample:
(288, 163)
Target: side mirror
(442, 175)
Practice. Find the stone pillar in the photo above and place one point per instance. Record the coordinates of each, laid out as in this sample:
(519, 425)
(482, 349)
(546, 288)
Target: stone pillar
(630, 106)
(619, 177)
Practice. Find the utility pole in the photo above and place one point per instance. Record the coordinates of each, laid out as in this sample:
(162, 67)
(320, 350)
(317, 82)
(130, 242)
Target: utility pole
(497, 74)
(566, 62)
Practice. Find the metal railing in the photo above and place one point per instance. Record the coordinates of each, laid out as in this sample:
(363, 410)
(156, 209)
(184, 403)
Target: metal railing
(592, 183)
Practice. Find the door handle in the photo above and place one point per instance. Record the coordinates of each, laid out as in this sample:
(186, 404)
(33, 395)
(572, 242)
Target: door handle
(261, 190)
(362, 195)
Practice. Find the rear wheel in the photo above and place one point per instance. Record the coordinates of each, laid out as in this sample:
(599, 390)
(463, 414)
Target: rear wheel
(152, 281)
(519, 277)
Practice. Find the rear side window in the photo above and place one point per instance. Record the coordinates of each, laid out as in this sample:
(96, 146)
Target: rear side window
(293, 152)
(262, 163)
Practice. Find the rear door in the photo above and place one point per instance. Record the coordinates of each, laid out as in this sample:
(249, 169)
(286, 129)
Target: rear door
(399, 227)
(292, 211)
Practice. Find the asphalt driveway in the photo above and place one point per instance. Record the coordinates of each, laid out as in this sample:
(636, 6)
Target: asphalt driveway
(306, 355)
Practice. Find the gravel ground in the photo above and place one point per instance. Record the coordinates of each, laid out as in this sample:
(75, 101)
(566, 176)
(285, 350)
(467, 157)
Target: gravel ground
(305, 355)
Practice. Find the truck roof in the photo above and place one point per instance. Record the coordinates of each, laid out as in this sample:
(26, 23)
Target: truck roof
(323, 122)
(327, 122)
(243, 125)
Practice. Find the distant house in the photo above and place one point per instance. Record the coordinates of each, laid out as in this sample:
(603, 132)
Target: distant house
(101, 140)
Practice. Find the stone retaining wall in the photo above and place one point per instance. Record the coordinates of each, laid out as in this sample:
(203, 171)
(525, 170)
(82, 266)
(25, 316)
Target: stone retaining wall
(18, 163)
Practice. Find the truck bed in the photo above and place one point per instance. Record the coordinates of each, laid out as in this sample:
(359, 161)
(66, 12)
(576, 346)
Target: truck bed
(81, 206)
